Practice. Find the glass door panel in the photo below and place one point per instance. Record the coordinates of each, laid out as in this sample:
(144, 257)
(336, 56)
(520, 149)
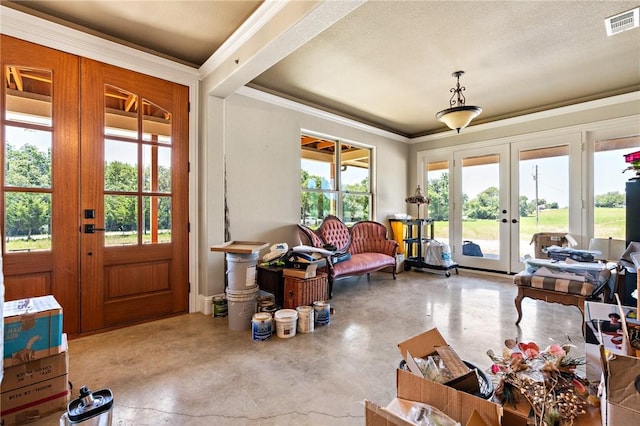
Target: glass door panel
(437, 179)
(543, 201)
(482, 212)
(609, 215)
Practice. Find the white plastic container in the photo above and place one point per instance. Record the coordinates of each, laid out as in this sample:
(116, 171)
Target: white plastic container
(241, 305)
(305, 319)
(286, 322)
(261, 326)
(241, 270)
(322, 312)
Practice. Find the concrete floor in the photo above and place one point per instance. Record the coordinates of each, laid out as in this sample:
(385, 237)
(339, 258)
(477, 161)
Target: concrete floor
(191, 370)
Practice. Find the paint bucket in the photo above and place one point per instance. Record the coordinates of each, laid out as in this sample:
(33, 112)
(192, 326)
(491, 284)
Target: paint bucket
(286, 320)
(241, 305)
(219, 306)
(321, 313)
(261, 326)
(207, 305)
(269, 309)
(241, 270)
(305, 319)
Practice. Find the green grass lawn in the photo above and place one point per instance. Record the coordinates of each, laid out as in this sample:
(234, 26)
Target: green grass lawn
(609, 222)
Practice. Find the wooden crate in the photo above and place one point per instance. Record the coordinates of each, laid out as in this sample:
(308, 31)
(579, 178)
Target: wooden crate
(301, 292)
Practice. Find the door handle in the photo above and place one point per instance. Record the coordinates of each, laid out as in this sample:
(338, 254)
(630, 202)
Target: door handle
(90, 228)
(514, 220)
(504, 220)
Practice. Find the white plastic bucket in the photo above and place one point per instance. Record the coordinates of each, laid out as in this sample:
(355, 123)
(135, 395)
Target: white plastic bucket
(286, 320)
(322, 313)
(241, 270)
(261, 326)
(241, 305)
(305, 319)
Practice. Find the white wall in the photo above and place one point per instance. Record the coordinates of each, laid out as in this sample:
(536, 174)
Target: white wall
(259, 143)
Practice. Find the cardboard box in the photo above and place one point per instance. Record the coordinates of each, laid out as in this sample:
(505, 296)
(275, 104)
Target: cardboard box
(32, 329)
(32, 372)
(620, 401)
(460, 406)
(309, 272)
(431, 342)
(28, 403)
(542, 240)
(600, 331)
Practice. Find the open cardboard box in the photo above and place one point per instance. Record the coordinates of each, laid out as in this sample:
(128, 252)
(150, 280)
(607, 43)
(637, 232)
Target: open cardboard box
(429, 343)
(620, 400)
(460, 406)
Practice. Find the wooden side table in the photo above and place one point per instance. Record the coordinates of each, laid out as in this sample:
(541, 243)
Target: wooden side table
(270, 279)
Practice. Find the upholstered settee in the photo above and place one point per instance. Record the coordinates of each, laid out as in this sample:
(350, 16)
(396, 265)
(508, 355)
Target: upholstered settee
(366, 242)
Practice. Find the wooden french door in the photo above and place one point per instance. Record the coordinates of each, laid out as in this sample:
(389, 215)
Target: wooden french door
(97, 158)
(134, 197)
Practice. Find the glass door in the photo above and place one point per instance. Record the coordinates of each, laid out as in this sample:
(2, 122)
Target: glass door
(482, 216)
(545, 191)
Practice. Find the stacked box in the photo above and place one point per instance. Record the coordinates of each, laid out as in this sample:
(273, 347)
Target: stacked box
(302, 292)
(35, 382)
(32, 329)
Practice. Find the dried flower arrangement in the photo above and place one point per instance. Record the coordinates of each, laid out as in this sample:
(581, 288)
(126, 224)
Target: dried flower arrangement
(545, 379)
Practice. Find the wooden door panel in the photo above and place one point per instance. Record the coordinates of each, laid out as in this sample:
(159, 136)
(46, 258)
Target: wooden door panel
(138, 278)
(142, 278)
(56, 270)
(31, 285)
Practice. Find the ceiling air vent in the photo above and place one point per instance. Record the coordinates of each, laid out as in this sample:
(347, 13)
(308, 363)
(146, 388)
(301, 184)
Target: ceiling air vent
(622, 22)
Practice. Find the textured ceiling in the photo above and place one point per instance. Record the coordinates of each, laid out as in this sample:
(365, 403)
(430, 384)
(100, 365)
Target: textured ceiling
(389, 63)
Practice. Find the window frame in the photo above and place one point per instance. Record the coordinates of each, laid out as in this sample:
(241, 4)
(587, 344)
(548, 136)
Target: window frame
(336, 193)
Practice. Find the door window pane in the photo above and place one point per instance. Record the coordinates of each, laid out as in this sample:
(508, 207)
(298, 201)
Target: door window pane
(28, 95)
(27, 221)
(157, 168)
(157, 220)
(120, 166)
(121, 220)
(438, 194)
(609, 186)
(544, 193)
(481, 203)
(121, 113)
(27, 157)
(156, 123)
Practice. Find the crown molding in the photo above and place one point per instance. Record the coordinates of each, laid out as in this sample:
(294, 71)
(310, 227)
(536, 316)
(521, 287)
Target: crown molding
(50, 34)
(554, 112)
(318, 113)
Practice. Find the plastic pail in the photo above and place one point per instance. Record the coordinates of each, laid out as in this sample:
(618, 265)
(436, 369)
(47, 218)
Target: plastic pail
(261, 326)
(241, 270)
(322, 313)
(305, 319)
(286, 320)
(241, 305)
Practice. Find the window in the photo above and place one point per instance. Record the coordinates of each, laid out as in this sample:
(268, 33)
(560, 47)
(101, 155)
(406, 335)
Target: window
(609, 186)
(28, 135)
(335, 179)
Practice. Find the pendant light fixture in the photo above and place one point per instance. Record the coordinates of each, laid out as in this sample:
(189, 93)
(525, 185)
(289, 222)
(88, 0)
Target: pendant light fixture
(458, 116)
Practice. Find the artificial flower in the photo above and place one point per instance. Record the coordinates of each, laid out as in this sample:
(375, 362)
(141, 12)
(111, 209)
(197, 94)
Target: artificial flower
(545, 379)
